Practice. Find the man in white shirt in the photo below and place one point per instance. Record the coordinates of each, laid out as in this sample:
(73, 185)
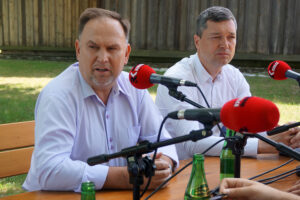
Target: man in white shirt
(215, 41)
(90, 109)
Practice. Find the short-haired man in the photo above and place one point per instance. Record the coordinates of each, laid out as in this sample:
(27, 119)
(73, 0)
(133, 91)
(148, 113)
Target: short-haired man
(215, 41)
(90, 109)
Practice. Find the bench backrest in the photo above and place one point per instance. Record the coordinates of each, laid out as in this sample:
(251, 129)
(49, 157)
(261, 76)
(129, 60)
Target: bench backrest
(16, 146)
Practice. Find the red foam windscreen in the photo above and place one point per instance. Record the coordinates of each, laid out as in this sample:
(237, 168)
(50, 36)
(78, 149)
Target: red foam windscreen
(139, 76)
(277, 69)
(250, 114)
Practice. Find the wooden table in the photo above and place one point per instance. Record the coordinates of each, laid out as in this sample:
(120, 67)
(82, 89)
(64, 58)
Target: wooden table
(250, 167)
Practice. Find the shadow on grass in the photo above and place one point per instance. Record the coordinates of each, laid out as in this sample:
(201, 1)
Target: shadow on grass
(31, 68)
(17, 104)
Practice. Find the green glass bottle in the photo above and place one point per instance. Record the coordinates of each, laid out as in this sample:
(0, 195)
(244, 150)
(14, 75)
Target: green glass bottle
(88, 191)
(197, 188)
(227, 158)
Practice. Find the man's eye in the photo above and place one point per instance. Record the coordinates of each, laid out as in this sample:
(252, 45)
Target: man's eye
(112, 48)
(93, 47)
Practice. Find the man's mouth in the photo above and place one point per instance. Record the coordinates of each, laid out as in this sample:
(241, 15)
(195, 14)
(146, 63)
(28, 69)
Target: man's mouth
(101, 69)
(223, 53)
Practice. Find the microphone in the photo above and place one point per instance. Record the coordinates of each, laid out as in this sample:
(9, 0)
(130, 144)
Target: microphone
(280, 70)
(249, 114)
(203, 115)
(143, 77)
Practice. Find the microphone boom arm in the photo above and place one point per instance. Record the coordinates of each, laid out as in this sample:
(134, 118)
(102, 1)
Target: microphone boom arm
(279, 146)
(147, 147)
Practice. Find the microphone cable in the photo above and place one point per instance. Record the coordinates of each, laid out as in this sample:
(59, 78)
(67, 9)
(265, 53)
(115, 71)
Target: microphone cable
(154, 154)
(278, 177)
(271, 170)
(216, 189)
(184, 167)
(207, 104)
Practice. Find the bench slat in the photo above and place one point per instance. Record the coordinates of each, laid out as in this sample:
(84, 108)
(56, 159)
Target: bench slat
(15, 135)
(15, 162)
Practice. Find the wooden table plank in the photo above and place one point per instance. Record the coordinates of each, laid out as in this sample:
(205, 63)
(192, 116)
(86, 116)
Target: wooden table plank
(176, 188)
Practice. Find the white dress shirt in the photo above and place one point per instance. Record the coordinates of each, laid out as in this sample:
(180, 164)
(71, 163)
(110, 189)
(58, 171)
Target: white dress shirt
(73, 124)
(229, 84)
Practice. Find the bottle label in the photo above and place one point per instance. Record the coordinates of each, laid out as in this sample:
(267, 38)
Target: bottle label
(201, 191)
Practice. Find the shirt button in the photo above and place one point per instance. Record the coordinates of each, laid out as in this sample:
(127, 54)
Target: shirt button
(110, 139)
(107, 116)
(111, 147)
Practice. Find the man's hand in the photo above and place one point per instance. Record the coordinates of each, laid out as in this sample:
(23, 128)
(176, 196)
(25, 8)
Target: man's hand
(243, 189)
(118, 177)
(295, 189)
(290, 138)
(163, 171)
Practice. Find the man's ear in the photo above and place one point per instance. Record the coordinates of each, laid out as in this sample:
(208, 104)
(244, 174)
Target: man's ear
(77, 47)
(196, 40)
(127, 53)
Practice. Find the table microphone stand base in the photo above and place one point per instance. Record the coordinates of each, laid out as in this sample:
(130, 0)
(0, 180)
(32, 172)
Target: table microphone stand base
(238, 151)
(137, 167)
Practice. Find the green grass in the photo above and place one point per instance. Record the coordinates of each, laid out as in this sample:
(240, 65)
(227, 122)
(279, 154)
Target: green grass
(11, 185)
(20, 84)
(22, 80)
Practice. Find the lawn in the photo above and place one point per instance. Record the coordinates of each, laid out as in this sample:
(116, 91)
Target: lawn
(22, 80)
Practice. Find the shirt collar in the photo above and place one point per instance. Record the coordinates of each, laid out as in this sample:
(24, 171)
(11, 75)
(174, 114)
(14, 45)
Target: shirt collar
(87, 90)
(120, 86)
(201, 72)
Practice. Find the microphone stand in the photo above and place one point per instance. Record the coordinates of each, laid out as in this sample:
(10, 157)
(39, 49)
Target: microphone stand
(279, 146)
(238, 150)
(137, 166)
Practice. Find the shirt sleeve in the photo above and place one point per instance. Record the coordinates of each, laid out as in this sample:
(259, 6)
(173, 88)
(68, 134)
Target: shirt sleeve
(55, 131)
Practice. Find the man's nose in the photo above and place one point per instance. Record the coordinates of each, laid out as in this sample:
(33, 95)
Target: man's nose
(224, 42)
(102, 56)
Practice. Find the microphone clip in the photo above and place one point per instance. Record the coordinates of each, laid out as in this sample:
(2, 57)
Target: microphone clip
(173, 92)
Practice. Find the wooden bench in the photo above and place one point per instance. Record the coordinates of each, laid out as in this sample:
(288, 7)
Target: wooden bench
(16, 146)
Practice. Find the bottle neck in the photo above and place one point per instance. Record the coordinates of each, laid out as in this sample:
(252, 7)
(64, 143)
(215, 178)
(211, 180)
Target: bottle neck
(198, 164)
(228, 144)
